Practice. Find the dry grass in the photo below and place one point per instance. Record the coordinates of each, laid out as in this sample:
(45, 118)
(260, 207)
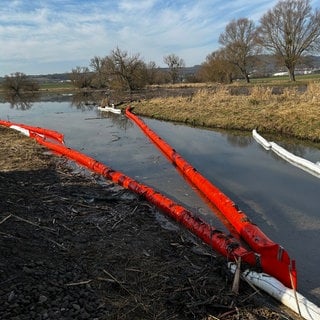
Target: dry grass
(11, 146)
(291, 112)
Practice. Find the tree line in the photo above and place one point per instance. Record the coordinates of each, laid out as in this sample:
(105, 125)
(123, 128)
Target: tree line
(19, 82)
(288, 32)
(122, 71)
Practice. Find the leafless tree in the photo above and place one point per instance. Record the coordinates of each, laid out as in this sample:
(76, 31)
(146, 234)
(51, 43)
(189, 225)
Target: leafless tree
(81, 77)
(152, 72)
(217, 68)
(239, 44)
(125, 71)
(175, 65)
(19, 82)
(289, 31)
(99, 78)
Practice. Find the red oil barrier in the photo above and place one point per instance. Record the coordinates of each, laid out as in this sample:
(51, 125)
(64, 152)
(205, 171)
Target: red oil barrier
(274, 259)
(226, 245)
(42, 131)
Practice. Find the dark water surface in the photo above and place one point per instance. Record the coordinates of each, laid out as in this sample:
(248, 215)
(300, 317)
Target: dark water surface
(280, 198)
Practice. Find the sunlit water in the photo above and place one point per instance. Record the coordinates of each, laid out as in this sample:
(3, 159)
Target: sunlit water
(280, 198)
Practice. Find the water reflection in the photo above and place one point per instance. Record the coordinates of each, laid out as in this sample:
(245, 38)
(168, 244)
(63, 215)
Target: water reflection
(21, 101)
(240, 140)
(295, 146)
(86, 100)
(297, 149)
(120, 120)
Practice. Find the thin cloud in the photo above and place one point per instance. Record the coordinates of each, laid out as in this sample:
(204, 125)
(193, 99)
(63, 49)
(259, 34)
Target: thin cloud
(55, 36)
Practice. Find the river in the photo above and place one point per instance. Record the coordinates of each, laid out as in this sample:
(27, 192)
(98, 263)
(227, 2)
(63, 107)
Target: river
(277, 196)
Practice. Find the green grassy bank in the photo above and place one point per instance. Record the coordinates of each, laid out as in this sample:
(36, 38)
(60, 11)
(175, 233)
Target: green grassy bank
(57, 87)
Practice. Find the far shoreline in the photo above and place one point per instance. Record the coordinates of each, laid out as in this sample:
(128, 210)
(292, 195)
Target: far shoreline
(271, 107)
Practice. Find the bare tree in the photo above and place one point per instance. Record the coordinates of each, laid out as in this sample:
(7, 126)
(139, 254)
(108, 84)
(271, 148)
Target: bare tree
(152, 72)
(19, 82)
(217, 68)
(125, 71)
(239, 41)
(289, 31)
(81, 77)
(175, 65)
(99, 78)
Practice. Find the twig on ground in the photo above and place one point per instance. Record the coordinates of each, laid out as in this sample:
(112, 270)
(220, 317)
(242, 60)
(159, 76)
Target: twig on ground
(250, 295)
(67, 228)
(9, 235)
(236, 279)
(57, 244)
(33, 224)
(78, 283)
(118, 282)
(227, 313)
(6, 218)
(132, 212)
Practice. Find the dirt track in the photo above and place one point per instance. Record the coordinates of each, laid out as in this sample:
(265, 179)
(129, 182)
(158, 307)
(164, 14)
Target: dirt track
(73, 246)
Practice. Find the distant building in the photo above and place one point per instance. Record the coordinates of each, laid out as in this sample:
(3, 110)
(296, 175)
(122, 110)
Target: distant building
(280, 74)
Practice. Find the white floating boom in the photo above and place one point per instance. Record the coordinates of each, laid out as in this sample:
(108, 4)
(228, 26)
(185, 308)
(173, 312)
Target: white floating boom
(290, 298)
(306, 165)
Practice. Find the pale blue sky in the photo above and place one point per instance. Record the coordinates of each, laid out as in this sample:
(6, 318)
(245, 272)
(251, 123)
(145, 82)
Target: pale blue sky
(53, 36)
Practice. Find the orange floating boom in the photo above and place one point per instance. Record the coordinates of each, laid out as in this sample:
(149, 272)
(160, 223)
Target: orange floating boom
(52, 134)
(224, 244)
(207, 233)
(274, 259)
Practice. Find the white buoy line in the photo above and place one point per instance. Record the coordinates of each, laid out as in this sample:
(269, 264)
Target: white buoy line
(306, 165)
(288, 297)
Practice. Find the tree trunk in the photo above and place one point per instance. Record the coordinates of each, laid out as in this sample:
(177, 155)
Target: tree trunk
(291, 73)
